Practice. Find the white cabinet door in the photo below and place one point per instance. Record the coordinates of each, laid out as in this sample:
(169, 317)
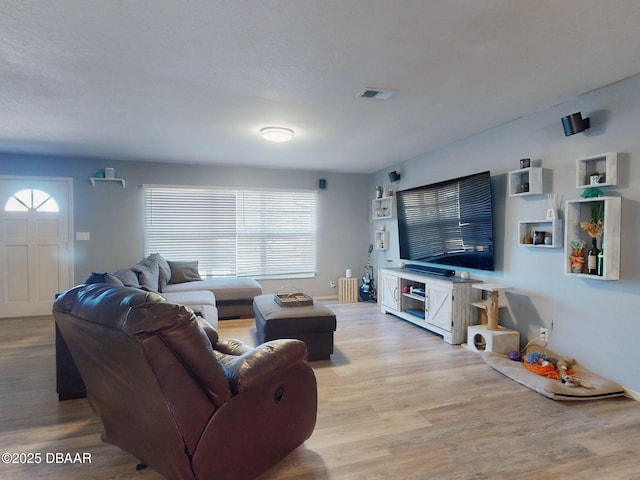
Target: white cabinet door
(439, 303)
(389, 286)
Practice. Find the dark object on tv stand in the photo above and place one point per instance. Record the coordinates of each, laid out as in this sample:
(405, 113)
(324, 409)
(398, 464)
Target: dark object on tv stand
(432, 270)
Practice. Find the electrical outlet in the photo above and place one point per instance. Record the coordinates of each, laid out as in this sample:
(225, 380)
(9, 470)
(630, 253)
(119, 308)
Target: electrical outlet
(332, 284)
(544, 334)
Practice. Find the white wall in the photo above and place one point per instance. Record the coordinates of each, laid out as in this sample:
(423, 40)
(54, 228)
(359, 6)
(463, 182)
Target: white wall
(114, 216)
(597, 322)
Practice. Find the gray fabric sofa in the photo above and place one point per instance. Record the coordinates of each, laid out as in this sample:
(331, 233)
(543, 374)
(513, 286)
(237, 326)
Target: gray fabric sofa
(179, 282)
(233, 295)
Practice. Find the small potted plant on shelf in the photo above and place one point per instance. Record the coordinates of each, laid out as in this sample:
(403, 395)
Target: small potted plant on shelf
(595, 226)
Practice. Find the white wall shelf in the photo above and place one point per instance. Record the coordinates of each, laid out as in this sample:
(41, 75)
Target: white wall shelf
(382, 240)
(577, 211)
(552, 229)
(604, 163)
(383, 208)
(526, 181)
(98, 179)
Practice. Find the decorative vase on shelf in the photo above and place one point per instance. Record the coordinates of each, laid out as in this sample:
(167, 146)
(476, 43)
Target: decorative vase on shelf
(576, 257)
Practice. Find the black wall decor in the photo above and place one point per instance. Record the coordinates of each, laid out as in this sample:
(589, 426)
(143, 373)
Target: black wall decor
(574, 123)
(394, 176)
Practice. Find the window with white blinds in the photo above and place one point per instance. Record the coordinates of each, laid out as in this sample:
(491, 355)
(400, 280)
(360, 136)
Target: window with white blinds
(256, 233)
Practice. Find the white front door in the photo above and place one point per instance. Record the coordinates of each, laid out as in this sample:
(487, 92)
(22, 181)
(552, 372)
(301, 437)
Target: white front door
(35, 243)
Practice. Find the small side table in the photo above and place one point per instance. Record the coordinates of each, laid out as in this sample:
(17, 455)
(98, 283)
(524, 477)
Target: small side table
(503, 340)
(348, 289)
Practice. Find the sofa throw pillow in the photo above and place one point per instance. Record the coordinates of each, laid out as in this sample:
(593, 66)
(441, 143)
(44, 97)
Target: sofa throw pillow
(164, 270)
(148, 273)
(128, 277)
(103, 278)
(184, 271)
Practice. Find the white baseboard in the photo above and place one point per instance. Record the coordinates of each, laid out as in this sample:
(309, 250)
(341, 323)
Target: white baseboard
(632, 394)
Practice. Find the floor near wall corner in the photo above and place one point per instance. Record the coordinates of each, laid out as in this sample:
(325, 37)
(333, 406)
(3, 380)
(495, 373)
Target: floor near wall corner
(394, 402)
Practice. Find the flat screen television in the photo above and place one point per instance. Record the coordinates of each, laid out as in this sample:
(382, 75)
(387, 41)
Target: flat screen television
(448, 223)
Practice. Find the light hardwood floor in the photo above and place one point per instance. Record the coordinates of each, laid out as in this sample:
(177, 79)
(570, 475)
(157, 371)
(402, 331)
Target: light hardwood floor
(395, 402)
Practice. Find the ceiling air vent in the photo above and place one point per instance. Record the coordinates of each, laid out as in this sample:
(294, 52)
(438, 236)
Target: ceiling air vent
(380, 94)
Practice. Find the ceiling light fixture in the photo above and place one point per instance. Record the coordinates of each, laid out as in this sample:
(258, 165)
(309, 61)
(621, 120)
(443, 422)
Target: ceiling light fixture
(276, 134)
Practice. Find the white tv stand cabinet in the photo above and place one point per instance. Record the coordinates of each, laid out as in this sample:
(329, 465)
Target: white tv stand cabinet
(439, 304)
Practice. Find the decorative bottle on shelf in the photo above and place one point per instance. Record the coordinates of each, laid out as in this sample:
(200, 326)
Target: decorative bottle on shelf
(601, 260)
(592, 258)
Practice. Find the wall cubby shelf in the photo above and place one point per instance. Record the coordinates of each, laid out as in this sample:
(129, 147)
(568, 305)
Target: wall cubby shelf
(552, 229)
(577, 211)
(526, 181)
(606, 164)
(382, 240)
(383, 208)
(98, 179)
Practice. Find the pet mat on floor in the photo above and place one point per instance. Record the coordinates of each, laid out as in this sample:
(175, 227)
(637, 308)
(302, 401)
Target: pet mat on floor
(554, 389)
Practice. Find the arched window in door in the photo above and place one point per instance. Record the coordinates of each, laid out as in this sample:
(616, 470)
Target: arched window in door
(31, 200)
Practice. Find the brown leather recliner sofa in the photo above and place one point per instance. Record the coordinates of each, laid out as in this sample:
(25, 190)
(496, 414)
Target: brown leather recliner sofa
(172, 394)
